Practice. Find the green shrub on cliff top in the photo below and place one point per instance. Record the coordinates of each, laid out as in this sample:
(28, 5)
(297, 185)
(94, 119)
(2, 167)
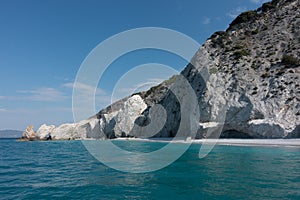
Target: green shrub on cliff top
(290, 60)
(241, 53)
(245, 17)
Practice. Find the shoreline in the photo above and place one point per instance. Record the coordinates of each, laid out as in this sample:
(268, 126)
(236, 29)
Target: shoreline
(293, 142)
(229, 142)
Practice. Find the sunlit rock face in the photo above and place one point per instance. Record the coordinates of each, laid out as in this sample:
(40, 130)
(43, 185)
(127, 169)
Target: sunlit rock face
(126, 117)
(113, 124)
(44, 130)
(254, 69)
(29, 133)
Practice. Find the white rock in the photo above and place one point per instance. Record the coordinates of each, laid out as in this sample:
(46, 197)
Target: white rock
(89, 128)
(44, 130)
(266, 128)
(64, 132)
(29, 132)
(126, 117)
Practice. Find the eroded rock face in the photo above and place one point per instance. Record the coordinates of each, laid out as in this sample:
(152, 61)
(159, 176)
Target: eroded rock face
(115, 124)
(64, 132)
(44, 130)
(29, 133)
(252, 71)
(126, 117)
(90, 128)
(246, 70)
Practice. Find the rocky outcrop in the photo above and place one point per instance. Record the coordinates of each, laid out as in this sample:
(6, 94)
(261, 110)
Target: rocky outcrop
(124, 120)
(246, 82)
(114, 124)
(44, 130)
(29, 134)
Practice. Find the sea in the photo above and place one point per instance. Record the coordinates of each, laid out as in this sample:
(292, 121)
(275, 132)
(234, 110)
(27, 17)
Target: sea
(66, 170)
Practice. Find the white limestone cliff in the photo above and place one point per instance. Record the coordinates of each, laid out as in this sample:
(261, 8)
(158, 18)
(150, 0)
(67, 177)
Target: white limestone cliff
(252, 70)
(94, 128)
(126, 117)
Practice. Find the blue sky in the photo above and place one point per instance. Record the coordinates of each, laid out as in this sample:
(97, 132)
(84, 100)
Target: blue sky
(44, 42)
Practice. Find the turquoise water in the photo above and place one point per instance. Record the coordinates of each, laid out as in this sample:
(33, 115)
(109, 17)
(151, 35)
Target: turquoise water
(65, 170)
